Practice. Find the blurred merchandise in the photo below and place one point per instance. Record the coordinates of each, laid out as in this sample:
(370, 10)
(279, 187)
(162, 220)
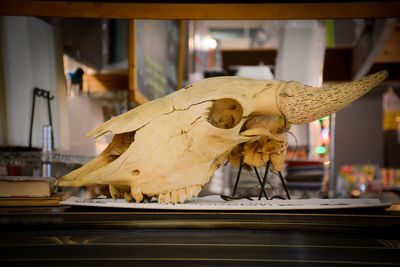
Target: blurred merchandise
(74, 82)
(390, 178)
(355, 180)
(260, 72)
(391, 109)
(305, 175)
(25, 161)
(391, 127)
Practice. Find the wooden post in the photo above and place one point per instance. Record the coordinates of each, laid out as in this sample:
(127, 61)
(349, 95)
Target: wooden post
(131, 60)
(134, 94)
(181, 53)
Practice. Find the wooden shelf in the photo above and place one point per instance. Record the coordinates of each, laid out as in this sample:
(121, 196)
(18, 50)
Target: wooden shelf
(105, 82)
(337, 65)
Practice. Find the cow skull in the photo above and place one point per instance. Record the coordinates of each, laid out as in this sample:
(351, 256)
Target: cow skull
(170, 147)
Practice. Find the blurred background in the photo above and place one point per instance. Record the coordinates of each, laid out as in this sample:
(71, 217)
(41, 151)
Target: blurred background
(90, 70)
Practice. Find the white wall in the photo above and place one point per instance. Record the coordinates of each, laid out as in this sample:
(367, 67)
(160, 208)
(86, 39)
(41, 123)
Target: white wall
(84, 115)
(28, 61)
(301, 59)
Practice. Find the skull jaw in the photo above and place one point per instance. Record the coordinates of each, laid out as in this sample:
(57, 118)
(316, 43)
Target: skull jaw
(145, 187)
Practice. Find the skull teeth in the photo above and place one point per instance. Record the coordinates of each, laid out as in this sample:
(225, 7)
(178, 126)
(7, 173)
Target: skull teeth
(179, 195)
(176, 196)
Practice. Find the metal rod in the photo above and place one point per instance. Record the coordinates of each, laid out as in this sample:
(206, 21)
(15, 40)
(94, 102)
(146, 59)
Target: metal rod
(238, 176)
(264, 179)
(284, 184)
(32, 114)
(50, 122)
(332, 174)
(259, 180)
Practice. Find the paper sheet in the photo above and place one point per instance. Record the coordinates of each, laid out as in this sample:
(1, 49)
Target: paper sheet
(217, 203)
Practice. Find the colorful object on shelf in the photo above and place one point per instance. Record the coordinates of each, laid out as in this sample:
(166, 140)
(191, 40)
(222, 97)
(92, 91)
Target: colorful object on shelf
(320, 150)
(358, 179)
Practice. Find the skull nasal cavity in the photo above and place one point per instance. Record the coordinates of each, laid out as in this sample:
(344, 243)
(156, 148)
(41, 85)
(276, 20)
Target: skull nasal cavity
(118, 145)
(225, 113)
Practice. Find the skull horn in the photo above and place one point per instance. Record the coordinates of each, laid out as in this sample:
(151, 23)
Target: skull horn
(303, 104)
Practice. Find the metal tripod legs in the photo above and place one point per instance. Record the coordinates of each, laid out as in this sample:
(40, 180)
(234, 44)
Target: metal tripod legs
(261, 182)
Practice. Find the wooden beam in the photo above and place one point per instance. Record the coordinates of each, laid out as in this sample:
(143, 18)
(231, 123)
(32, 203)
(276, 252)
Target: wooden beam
(185, 11)
(134, 94)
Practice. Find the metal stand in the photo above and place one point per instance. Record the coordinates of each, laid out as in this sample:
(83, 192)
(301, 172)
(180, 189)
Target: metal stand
(238, 176)
(261, 182)
(284, 184)
(46, 95)
(262, 189)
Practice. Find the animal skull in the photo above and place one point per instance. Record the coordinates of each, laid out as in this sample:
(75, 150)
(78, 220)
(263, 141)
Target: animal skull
(170, 147)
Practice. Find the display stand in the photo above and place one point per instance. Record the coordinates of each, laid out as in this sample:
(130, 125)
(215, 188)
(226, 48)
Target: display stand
(261, 182)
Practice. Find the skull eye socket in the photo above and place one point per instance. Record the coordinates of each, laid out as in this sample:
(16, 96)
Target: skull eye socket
(225, 113)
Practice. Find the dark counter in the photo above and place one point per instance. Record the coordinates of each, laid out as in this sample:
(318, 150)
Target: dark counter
(82, 236)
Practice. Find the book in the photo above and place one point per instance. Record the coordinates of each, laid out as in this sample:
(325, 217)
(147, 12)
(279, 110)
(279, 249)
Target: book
(30, 201)
(26, 186)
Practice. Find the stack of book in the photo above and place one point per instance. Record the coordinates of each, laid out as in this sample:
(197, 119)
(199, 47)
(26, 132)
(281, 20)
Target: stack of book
(28, 191)
(305, 175)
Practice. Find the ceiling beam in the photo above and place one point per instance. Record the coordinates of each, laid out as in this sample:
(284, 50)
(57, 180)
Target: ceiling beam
(204, 11)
